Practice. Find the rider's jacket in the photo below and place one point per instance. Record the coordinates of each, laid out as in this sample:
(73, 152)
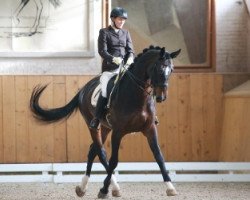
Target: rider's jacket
(112, 44)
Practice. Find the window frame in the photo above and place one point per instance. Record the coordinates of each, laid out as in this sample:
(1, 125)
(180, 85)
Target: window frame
(210, 65)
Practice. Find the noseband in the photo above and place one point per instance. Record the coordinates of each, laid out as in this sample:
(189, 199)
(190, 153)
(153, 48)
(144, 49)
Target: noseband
(144, 85)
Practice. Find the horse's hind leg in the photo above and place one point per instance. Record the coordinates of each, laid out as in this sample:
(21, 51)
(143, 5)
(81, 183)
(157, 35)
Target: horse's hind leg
(115, 141)
(81, 190)
(18, 11)
(93, 151)
(151, 135)
(39, 9)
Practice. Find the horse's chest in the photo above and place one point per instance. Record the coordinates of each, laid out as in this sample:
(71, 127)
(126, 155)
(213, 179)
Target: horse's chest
(136, 121)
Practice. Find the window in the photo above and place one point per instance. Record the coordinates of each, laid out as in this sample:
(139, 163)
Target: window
(174, 24)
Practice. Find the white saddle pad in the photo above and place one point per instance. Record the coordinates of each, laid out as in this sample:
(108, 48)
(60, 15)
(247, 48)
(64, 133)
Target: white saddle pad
(95, 95)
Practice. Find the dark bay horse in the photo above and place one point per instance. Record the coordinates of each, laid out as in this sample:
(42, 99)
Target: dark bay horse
(132, 109)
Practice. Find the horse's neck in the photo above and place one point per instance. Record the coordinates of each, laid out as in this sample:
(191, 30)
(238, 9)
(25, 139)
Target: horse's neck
(136, 85)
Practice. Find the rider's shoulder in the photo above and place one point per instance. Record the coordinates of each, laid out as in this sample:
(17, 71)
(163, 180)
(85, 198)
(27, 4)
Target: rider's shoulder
(107, 29)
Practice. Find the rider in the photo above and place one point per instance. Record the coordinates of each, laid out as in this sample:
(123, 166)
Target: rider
(115, 47)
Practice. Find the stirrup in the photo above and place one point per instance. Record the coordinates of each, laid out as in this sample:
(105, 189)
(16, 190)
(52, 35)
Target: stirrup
(94, 124)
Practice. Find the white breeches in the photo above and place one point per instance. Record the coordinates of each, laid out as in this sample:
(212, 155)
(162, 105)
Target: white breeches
(104, 79)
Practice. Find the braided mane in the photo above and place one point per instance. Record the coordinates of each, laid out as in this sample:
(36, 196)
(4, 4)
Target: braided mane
(146, 50)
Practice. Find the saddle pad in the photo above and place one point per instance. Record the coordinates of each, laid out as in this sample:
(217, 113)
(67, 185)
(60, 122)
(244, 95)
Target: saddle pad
(97, 91)
(95, 95)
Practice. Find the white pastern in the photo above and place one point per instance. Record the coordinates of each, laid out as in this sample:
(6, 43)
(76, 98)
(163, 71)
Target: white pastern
(84, 184)
(114, 183)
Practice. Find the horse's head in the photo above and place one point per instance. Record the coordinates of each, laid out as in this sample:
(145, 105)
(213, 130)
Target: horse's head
(160, 72)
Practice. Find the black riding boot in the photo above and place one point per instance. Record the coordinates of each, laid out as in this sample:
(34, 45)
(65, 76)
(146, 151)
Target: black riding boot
(100, 108)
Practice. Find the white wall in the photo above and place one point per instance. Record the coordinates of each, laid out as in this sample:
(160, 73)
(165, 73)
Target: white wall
(232, 36)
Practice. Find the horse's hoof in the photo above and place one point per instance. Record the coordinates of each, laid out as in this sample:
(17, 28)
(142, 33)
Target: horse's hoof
(116, 193)
(171, 192)
(79, 191)
(102, 195)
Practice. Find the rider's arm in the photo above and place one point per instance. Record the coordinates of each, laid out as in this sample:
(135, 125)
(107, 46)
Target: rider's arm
(129, 46)
(103, 46)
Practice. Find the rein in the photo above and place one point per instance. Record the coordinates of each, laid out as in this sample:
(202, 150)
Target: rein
(139, 82)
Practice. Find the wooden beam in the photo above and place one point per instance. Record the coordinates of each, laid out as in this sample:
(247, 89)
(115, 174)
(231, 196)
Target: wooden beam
(247, 2)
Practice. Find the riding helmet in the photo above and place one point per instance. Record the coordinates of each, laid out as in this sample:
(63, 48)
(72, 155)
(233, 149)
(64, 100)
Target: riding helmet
(119, 12)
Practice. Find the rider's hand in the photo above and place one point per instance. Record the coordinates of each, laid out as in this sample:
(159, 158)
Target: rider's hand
(130, 61)
(117, 60)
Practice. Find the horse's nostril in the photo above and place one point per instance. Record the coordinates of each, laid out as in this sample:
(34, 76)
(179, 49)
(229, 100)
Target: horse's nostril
(158, 99)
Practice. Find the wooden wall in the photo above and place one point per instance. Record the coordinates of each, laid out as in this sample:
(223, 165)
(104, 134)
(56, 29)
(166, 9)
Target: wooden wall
(235, 143)
(189, 129)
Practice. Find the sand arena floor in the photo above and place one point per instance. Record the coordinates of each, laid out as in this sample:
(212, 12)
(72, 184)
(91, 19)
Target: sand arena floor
(135, 191)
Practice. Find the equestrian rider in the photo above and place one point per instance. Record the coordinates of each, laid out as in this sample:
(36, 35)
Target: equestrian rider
(115, 47)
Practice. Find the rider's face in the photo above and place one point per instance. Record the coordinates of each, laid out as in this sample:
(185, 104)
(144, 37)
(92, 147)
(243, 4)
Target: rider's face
(119, 22)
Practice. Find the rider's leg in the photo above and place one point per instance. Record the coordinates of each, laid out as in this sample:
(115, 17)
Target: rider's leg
(102, 100)
(99, 111)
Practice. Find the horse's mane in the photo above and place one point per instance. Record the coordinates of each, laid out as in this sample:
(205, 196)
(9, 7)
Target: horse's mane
(144, 51)
(151, 47)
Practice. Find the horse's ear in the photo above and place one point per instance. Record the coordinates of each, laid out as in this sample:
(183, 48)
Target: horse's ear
(162, 53)
(175, 53)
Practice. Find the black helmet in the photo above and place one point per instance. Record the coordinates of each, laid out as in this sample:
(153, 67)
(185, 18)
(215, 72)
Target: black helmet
(119, 12)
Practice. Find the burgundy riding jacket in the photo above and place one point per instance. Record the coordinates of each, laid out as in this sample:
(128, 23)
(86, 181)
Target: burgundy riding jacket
(112, 44)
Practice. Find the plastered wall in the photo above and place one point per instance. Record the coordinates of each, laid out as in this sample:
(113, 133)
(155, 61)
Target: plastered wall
(232, 36)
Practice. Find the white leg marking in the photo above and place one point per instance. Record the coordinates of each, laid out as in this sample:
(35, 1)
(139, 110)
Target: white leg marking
(170, 189)
(84, 184)
(169, 185)
(114, 183)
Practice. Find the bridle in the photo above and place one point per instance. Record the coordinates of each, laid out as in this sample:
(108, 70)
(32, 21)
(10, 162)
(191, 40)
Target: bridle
(139, 83)
(144, 85)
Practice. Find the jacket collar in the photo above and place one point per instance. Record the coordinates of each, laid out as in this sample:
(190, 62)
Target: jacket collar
(113, 31)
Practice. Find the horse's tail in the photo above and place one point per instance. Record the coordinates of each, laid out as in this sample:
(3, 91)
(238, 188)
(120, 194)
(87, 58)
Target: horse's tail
(54, 114)
(55, 3)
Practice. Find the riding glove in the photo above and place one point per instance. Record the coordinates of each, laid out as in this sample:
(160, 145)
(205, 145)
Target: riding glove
(117, 60)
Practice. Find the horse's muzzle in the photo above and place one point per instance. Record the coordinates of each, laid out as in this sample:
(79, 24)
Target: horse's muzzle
(160, 94)
(160, 99)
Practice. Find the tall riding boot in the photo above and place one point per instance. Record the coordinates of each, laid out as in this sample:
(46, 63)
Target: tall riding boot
(100, 108)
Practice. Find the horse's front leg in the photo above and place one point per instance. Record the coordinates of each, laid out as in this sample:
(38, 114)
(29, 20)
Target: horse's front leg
(115, 141)
(152, 138)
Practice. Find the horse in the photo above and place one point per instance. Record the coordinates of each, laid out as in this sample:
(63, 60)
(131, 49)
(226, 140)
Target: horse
(130, 110)
(39, 9)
